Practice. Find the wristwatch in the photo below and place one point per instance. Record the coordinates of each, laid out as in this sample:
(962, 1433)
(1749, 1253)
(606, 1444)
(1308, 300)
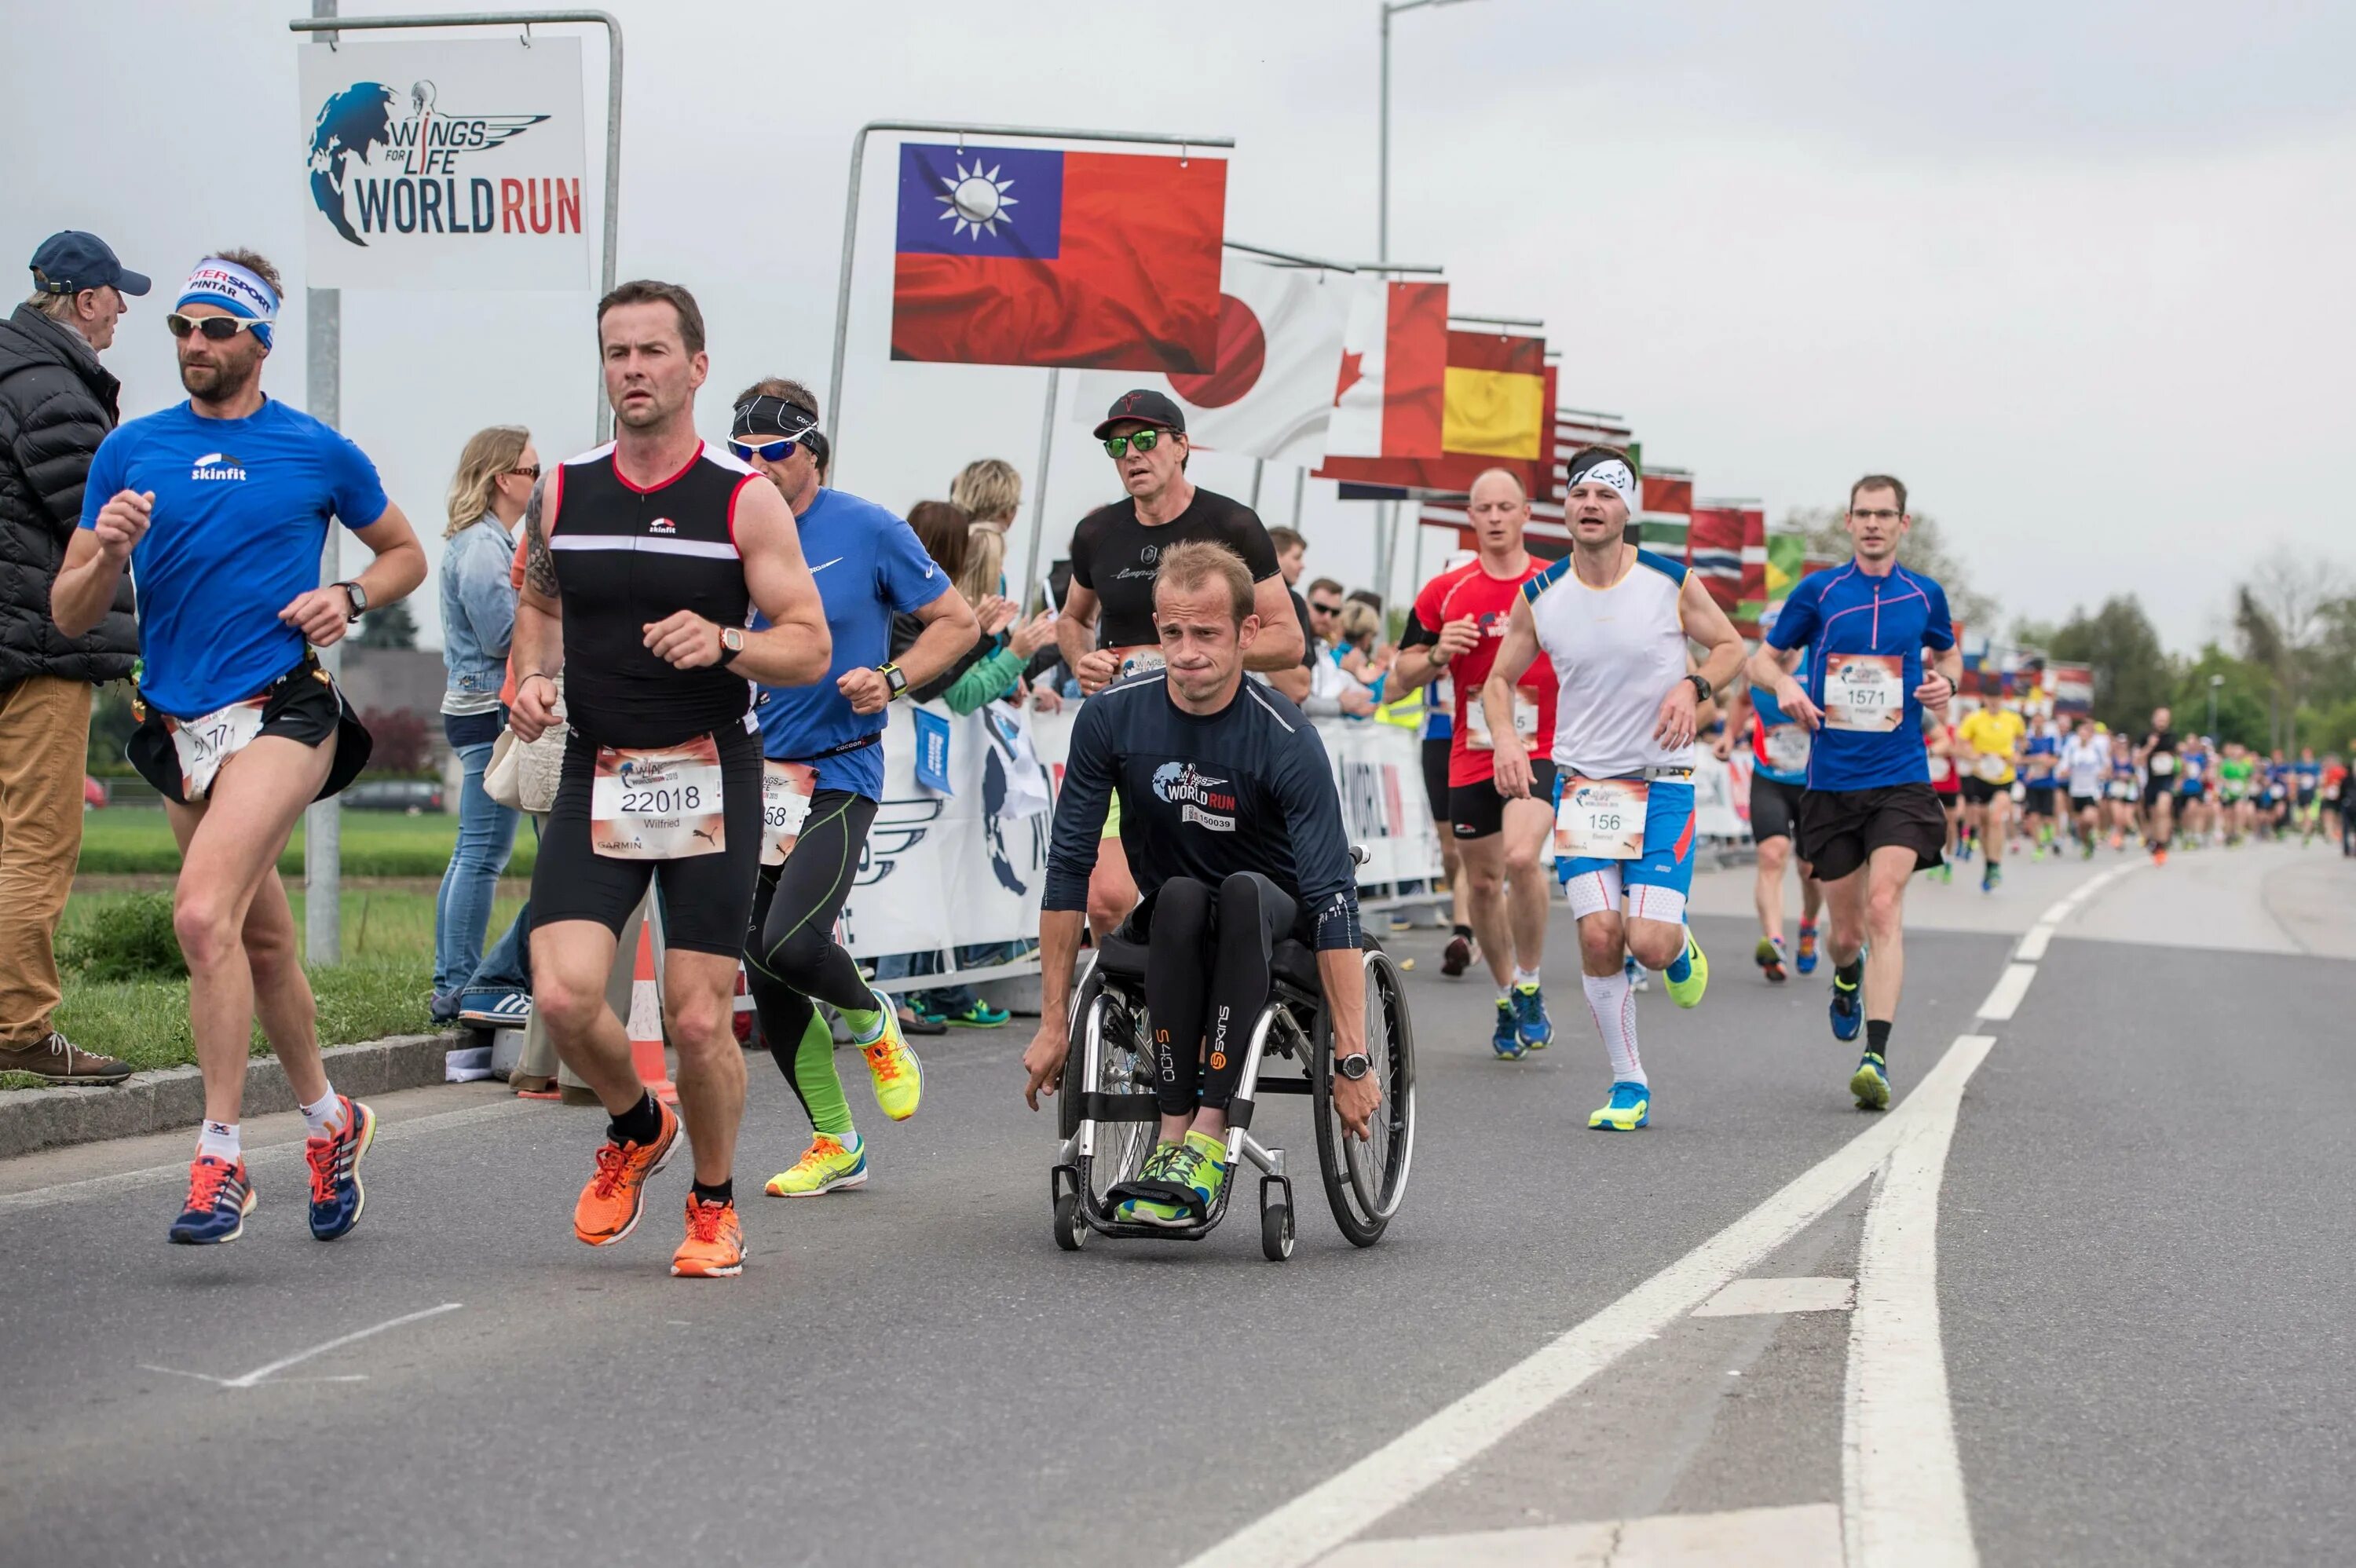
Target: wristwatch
(359, 596)
(1702, 693)
(895, 683)
(1354, 1066)
(732, 643)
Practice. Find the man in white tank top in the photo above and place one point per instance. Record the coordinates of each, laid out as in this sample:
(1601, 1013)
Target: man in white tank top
(1614, 621)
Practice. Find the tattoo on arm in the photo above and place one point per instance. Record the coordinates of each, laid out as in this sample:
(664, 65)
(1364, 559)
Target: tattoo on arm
(539, 561)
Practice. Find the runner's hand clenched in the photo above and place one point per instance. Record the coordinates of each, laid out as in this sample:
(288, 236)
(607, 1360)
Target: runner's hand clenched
(121, 522)
(684, 640)
(1794, 702)
(1458, 636)
(1676, 726)
(1936, 692)
(865, 689)
(322, 615)
(535, 708)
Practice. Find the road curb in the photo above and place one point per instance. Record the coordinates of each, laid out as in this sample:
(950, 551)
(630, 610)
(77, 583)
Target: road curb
(33, 1119)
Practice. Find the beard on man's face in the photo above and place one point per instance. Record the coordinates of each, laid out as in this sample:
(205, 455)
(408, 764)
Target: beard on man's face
(220, 377)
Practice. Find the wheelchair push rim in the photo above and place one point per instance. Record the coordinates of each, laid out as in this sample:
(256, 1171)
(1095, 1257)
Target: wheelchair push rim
(1364, 1181)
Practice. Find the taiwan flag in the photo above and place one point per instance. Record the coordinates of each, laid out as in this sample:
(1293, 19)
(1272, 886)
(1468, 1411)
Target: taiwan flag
(1018, 256)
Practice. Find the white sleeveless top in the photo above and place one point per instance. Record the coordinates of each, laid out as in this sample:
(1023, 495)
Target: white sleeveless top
(1618, 651)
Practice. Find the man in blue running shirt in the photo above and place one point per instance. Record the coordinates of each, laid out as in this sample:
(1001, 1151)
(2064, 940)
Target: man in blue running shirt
(1779, 776)
(219, 506)
(1869, 819)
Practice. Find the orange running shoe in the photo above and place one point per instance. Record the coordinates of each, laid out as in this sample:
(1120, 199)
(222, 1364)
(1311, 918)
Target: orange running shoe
(611, 1203)
(714, 1248)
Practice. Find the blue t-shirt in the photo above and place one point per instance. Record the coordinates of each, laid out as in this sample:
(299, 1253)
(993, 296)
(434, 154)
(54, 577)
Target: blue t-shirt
(1771, 714)
(1847, 612)
(2037, 747)
(241, 513)
(868, 564)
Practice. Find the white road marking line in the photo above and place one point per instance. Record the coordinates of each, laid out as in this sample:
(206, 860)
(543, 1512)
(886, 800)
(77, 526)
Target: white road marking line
(256, 1376)
(2062, 910)
(1342, 1505)
(2005, 999)
(1752, 1298)
(2032, 945)
(1903, 1480)
(264, 1159)
(1808, 1536)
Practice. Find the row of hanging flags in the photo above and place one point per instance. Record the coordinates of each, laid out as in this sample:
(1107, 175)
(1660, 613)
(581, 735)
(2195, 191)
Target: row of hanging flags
(1113, 263)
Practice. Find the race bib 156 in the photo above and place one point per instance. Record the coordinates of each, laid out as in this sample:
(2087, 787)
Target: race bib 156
(1601, 820)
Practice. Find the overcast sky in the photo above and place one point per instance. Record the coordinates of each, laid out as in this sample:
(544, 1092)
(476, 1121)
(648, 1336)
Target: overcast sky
(2078, 272)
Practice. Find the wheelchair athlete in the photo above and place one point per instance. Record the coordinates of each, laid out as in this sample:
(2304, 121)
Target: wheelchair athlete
(1234, 831)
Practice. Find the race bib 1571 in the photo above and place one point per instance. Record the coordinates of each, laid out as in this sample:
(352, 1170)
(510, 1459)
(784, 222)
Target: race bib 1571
(1865, 692)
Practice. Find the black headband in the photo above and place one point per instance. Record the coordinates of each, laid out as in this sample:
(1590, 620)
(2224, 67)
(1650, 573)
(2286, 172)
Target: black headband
(766, 415)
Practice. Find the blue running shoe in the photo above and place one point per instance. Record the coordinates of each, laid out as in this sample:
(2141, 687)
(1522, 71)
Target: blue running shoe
(1507, 1041)
(1530, 1020)
(1848, 1011)
(1639, 977)
(337, 1196)
(1631, 1107)
(220, 1198)
(1805, 960)
(1870, 1083)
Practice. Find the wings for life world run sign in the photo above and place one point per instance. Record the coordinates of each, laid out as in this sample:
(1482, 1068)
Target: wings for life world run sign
(450, 165)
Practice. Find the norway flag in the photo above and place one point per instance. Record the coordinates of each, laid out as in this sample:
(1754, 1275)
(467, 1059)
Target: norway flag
(1017, 256)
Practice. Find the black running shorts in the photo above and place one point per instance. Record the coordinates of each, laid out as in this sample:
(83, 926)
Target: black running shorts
(1978, 791)
(1435, 775)
(1477, 810)
(1840, 829)
(706, 899)
(1774, 807)
(304, 705)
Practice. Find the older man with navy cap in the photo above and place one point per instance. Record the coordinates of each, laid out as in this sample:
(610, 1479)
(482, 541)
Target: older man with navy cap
(56, 403)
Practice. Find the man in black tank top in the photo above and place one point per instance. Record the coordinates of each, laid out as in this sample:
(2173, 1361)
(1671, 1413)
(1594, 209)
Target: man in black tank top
(643, 562)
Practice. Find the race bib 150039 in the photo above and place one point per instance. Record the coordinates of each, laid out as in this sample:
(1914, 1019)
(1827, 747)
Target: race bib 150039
(1865, 692)
(785, 791)
(1476, 722)
(203, 745)
(1601, 820)
(1787, 748)
(657, 803)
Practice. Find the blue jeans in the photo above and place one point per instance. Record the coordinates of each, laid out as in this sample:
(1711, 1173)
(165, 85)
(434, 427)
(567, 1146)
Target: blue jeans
(463, 911)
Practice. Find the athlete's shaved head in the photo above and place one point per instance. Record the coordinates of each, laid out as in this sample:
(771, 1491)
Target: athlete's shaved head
(1492, 479)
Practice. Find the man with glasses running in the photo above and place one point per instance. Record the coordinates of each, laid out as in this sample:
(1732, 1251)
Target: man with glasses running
(823, 779)
(1870, 819)
(1106, 631)
(219, 506)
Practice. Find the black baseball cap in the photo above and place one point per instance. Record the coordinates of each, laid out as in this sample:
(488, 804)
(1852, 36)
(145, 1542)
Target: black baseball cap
(70, 261)
(1144, 407)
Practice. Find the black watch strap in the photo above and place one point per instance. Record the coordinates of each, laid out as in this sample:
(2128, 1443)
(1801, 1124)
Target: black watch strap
(1702, 692)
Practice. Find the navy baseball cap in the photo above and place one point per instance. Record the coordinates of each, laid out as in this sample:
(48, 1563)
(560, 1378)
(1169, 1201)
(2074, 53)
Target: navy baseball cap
(71, 261)
(1144, 407)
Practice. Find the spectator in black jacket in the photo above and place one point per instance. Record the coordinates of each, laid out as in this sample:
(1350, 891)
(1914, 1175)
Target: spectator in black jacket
(56, 403)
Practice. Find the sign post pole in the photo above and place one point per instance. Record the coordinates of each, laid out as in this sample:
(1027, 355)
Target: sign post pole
(322, 820)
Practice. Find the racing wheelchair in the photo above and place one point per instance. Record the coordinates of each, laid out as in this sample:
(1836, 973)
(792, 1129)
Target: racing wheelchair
(1108, 1110)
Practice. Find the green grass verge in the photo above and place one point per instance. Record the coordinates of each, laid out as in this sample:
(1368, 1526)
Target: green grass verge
(379, 989)
(132, 840)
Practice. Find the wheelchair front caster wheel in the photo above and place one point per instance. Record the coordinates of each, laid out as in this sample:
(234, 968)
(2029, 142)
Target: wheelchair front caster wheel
(1275, 1232)
(1071, 1231)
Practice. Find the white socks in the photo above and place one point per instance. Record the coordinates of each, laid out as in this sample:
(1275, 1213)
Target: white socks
(1524, 977)
(324, 1117)
(1614, 1005)
(217, 1139)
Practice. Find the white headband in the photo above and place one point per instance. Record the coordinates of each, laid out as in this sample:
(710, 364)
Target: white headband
(1617, 474)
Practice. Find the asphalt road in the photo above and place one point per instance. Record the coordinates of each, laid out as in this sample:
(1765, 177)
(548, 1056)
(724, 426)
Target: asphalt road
(2137, 1347)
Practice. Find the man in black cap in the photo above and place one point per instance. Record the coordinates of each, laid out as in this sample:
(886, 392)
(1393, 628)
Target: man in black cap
(1107, 631)
(56, 403)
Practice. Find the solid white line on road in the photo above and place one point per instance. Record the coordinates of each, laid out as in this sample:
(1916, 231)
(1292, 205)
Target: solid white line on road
(2032, 945)
(1808, 1536)
(261, 1373)
(2062, 910)
(2005, 997)
(1750, 1297)
(263, 1159)
(1902, 1481)
(1342, 1505)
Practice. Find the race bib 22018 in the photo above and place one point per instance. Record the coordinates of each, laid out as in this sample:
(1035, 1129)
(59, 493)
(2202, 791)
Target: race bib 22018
(657, 803)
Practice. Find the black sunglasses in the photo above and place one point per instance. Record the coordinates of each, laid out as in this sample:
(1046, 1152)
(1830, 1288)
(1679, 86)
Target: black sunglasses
(1324, 609)
(216, 328)
(1138, 441)
(767, 452)
(530, 473)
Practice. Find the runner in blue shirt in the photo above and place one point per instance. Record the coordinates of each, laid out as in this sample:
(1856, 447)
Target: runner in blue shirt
(1779, 774)
(824, 778)
(1869, 819)
(219, 506)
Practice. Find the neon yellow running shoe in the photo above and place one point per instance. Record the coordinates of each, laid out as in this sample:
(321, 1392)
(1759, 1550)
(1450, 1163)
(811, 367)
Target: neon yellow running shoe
(1687, 993)
(893, 1066)
(825, 1167)
(1200, 1162)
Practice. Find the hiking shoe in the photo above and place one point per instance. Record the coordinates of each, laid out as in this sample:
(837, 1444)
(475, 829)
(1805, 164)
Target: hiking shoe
(61, 1061)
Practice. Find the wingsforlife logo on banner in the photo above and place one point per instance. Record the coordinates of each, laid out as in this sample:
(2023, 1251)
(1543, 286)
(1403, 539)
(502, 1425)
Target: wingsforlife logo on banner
(449, 165)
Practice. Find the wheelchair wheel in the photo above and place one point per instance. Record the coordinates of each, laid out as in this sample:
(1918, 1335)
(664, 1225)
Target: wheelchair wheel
(1125, 1068)
(1071, 1231)
(1364, 1180)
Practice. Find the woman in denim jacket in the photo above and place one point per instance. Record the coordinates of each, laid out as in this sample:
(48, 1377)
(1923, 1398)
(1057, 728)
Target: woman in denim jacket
(495, 477)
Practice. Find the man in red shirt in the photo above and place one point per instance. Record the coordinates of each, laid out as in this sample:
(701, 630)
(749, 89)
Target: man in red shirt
(1457, 624)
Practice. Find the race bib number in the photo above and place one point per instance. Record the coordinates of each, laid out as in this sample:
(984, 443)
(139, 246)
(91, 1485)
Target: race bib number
(203, 745)
(1787, 748)
(1135, 660)
(785, 791)
(1941, 770)
(2162, 764)
(1601, 820)
(1990, 767)
(657, 803)
(1865, 692)
(1476, 723)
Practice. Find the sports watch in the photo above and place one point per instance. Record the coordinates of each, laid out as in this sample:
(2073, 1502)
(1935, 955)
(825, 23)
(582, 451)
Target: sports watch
(895, 684)
(1702, 693)
(732, 643)
(359, 596)
(1354, 1066)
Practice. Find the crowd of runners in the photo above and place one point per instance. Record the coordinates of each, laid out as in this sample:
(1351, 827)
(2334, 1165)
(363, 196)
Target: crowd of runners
(715, 635)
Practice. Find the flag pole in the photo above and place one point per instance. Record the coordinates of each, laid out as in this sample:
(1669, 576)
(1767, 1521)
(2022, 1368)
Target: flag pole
(1299, 485)
(1259, 465)
(1039, 489)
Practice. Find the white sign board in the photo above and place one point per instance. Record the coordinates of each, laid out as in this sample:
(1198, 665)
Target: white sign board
(455, 164)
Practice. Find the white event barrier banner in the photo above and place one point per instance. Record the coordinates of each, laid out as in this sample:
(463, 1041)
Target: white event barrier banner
(944, 871)
(455, 164)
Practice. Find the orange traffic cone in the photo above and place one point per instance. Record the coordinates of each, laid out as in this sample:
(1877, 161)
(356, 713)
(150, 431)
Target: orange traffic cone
(647, 1022)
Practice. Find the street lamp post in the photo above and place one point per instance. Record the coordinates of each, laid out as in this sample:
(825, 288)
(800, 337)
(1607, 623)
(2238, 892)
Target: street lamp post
(2214, 682)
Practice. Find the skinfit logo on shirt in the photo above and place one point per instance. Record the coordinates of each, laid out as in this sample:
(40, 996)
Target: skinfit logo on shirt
(662, 525)
(217, 465)
(1197, 796)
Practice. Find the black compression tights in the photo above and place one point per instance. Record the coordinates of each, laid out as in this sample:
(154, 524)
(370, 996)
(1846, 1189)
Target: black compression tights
(1234, 927)
(791, 955)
